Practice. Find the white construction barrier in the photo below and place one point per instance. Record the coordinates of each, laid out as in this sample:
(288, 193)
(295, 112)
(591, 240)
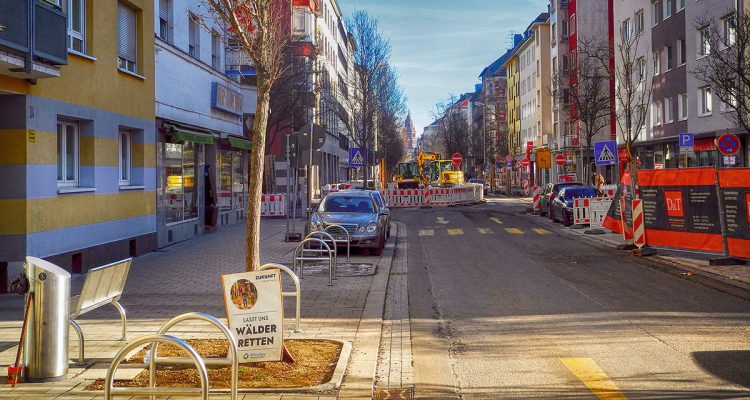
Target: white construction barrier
(400, 198)
(404, 197)
(608, 191)
(581, 211)
(272, 205)
(598, 208)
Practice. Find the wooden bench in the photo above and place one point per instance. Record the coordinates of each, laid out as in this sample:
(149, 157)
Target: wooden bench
(103, 285)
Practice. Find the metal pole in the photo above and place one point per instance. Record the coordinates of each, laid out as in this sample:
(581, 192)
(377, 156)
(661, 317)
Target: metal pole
(288, 195)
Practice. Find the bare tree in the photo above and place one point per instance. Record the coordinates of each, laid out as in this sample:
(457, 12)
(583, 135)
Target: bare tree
(632, 93)
(262, 29)
(588, 93)
(726, 67)
(453, 128)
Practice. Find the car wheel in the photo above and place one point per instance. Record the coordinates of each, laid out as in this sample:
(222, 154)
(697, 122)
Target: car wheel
(379, 250)
(566, 220)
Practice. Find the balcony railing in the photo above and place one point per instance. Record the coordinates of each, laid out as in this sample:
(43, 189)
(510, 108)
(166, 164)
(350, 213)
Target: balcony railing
(27, 22)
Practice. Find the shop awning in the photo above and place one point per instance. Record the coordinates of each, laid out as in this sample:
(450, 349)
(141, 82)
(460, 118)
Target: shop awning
(239, 143)
(191, 136)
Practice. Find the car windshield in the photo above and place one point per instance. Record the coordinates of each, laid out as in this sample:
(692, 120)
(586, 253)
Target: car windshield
(561, 186)
(571, 193)
(347, 204)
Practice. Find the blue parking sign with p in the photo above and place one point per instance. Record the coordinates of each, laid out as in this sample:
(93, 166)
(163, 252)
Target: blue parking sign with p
(687, 139)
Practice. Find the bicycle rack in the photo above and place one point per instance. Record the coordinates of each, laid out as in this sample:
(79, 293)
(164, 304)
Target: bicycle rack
(300, 257)
(328, 238)
(297, 292)
(231, 359)
(348, 240)
(153, 391)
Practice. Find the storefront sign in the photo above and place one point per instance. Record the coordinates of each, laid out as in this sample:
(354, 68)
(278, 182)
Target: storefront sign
(256, 314)
(734, 184)
(730, 160)
(226, 99)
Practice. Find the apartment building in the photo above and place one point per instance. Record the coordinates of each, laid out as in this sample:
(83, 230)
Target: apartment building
(513, 79)
(201, 147)
(673, 41)
(78, 160)
(560, 100)
(494, 98)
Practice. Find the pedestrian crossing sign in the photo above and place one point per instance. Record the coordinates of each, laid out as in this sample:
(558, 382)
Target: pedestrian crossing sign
(605, 153)
(356, 159)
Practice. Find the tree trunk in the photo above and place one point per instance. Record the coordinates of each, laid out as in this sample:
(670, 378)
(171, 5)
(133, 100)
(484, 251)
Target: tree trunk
(255, 180)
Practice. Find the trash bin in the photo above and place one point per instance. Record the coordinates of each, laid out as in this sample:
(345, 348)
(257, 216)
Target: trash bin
(45, 351)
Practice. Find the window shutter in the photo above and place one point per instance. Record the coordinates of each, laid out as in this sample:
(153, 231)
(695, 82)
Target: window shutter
(164, 9)
(126, 32)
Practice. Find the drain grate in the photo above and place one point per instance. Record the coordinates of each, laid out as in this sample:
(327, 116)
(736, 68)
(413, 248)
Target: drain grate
(394, 393)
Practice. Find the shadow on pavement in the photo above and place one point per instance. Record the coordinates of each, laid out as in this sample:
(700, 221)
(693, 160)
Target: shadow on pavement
(726, 365)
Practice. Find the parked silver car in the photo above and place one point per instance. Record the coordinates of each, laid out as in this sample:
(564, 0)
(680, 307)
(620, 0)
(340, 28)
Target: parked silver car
(361, 212)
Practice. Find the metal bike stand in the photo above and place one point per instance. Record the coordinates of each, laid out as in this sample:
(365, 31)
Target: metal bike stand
(232, 354)
(348, 240)
(297, 291)
(327, 237)
(300, 257)
(153, 391)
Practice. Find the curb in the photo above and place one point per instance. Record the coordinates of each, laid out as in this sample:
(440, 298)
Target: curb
(677, 268)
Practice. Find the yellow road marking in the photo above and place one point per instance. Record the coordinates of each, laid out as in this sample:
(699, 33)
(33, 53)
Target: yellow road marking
(588, 372)
(514, 231)
(497, 221)
(542, 231)
(485, 231)
(426, 232)
(456, 231)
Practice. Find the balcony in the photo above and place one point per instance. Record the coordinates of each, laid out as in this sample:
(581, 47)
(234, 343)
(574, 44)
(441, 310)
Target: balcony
(27, 22)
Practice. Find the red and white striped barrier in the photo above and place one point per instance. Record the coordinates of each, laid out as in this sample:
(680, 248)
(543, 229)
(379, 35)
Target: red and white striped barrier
(639, 232)
(272, 205)
(537, 198)
(404, 197)
(581, 211)
(608, 191)
(397, 198)
(598, 208)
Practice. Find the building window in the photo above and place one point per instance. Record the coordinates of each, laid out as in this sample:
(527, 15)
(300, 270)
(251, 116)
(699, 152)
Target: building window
(730, 103)
(670, 58)
(67, 153)
(668, 110)
(656, 113)
(655, 13)
(564, 29)
(194, 40)
(641, 69)
(232, 187)
(680, 5)
(76, 10)
(704, 39)
(216, 50)
(573, 24)
(682, 106)
(125, 156)
(729, 28)
(127, 28)
(165, 20)
(181, 194)
(639, 24)
(626, 30)
(657, 63)
(681, 49)
(704, 101)
(667, 8)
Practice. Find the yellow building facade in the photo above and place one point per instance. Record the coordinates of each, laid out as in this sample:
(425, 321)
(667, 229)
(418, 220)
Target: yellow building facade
(78, 159)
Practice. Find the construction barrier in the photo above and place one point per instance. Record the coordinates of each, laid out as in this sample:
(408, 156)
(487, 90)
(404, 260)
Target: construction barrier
(537, 198)
(272, 205)
(639, 231)
(402, 198)
(598, 208)
(581, 211)
(608, 191)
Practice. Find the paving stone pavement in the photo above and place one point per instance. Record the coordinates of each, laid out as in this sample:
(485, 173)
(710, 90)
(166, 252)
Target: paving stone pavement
(185, 277)
(395, 369)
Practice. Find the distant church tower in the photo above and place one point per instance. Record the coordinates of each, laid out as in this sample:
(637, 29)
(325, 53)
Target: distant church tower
(408, 134)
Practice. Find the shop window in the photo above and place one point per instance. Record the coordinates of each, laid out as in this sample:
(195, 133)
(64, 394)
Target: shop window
(239, 180)
(181, 192)
(125, 151)
(232, 178)
(67, 153)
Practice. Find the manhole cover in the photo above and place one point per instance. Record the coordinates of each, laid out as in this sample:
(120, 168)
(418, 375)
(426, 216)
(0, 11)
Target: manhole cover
(344, 269)
(397, 393)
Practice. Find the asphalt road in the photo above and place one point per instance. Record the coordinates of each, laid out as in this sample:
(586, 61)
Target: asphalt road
(503, 305)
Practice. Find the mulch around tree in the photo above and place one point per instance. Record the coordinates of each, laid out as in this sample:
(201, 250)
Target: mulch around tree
(315, 362)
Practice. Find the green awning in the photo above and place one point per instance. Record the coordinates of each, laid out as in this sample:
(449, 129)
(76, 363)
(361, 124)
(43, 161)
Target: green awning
(239, 143)
(192, 136)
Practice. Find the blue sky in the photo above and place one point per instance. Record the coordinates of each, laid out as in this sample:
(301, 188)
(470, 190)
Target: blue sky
(441, 46)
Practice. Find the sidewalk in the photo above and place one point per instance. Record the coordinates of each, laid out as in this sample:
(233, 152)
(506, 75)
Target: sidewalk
(734, 279)
(186, 277)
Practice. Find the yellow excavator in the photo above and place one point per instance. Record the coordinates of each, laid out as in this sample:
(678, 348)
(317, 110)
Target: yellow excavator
(406, 175)
(437, 172)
